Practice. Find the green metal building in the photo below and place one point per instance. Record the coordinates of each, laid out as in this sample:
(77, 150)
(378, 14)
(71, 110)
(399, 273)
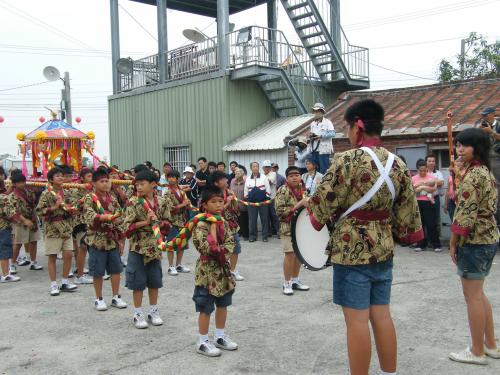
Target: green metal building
(191, 101)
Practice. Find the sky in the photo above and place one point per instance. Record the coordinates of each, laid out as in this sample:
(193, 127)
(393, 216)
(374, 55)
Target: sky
(407, 40)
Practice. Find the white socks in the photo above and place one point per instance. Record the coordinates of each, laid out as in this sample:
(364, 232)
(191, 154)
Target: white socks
(203, 338)
(138, 310)
(153, 308)
(64, 281)
(295, 280)
(219, 333)
(387, 373)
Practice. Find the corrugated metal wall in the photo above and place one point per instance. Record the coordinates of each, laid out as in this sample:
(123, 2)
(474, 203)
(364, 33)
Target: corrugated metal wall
(276, 156)
(205, 114)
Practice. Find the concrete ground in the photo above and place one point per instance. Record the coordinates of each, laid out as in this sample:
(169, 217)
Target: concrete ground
(302, 334)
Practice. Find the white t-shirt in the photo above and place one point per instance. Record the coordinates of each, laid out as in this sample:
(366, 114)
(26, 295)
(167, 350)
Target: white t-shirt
(326, 131)
(439, 177)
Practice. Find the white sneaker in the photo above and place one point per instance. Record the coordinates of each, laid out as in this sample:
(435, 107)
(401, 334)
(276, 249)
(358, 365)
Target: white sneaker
(237, 276)
(438, 250)
(154, 318)
(466, 356)
(35, 266)
(54, 290)
(493, 353)
(182, 269)
(140, 321)
(172, 271)
(84, 280)
(208, 349)
(287, 289)
(226, 343)
(118, 302)
(71, 274)
(100, 305)
(297, 285)
(69, 287)
(59, 256)
(85, 270)
(9, 279)
(418, 249)
(106, 277)
(23, 261)
(12, 269)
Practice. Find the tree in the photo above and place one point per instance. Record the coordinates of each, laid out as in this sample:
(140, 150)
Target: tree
(480, 60)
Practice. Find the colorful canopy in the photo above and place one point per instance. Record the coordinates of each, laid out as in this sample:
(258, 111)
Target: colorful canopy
(57, 129)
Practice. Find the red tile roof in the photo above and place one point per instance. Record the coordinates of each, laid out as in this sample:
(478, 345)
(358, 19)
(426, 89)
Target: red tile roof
(422, 109)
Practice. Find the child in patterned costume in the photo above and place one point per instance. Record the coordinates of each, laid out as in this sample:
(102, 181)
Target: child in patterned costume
(214, 284)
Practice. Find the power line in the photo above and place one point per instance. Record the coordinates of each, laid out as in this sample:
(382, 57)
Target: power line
(21, 87)
(415, 43)
(137, 22)
(417, 14)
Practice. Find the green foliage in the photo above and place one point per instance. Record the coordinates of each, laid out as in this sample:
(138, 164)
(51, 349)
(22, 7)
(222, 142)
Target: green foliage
(480, 60)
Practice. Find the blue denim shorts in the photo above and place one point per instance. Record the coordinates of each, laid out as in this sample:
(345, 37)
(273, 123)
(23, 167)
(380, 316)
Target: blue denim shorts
(102, 261)
(205, 302)
(174, 231)
(237, 244)
(138, 275)
(359, 287)
(5, 244)
(474, 261)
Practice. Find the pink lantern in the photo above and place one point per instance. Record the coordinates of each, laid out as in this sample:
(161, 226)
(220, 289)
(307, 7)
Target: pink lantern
(78, 120)
(41, 119)
(1, 119)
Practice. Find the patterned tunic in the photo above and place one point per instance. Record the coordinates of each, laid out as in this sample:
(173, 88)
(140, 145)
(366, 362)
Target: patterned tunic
(231, 213)
(175, 197)
(142, 240)
(25, 204)
(75, 197)
(102, 235)
(212, 267)
(284, 202)
(58, 223)
(366, 235)
(474, 219)
(8, 213)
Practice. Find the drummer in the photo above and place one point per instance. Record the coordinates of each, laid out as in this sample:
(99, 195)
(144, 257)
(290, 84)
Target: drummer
(361, 244)
(289, 198)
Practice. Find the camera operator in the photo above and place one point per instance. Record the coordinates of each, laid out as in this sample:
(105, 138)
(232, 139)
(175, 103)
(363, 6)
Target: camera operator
(321, 134)
(301, 153)
(491, 125)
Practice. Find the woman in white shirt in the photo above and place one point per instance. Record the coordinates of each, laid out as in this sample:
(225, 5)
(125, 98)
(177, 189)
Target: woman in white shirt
(312, 178)
(257, 190)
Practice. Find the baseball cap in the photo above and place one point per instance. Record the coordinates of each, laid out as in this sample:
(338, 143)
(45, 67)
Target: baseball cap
(318, 107)
(266, 163)
(188, 170)
(487, 111)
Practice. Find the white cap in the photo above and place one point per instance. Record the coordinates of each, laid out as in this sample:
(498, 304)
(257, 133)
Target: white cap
(188, 170)
(318, 107)
(266, 163)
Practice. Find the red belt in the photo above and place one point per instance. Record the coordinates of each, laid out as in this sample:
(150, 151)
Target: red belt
(368, 215)
(57, 218)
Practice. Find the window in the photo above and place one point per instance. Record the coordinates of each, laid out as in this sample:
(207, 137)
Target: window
(442, 158)
(178, 156)
(412, 154)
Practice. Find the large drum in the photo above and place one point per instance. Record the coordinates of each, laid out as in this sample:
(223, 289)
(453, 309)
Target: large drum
(308, 243)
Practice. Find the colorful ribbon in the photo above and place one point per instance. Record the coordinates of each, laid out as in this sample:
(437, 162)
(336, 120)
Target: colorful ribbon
(254, 204)
(101, 209)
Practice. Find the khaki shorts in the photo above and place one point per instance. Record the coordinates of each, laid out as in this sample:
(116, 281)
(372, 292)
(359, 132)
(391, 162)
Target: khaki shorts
(54, 245)
(24, 235)
(286, 241)
(79, 237)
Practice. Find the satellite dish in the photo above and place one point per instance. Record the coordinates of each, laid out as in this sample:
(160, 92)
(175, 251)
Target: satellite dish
(125, 65)
(194, 35)
(51, 73)
(231, 27)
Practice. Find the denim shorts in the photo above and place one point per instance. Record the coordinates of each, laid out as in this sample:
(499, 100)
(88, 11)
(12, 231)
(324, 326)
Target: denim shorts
(174, 231)
(5, 244)
(138, 275)
(205, 302)
(359, 287)
(237, 244)
(474, 261)
(102, 261)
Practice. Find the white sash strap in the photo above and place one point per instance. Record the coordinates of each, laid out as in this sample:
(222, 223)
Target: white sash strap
(384, 177)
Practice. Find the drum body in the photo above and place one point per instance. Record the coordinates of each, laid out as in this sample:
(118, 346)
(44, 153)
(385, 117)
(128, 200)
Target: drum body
(309, 245)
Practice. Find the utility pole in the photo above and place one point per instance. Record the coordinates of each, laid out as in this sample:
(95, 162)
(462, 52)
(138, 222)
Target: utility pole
(66, 100)
(462, 58)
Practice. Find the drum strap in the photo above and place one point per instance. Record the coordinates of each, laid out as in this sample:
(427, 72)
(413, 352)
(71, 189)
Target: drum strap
(384, 177)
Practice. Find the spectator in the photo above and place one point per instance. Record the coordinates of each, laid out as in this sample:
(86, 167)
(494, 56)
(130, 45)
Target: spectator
(238, 188)
(203, 175)
(232, 166)
(280, 179)
(425, 186)
(438, 176)
(301, 153)
(274, 222)
(312, 178)
(189, 186)
(257, 190)
(321, 134)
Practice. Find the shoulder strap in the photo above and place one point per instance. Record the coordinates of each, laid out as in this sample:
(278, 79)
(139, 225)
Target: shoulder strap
(384, 177)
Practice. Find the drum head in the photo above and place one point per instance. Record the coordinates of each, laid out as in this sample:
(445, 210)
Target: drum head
(308, 244)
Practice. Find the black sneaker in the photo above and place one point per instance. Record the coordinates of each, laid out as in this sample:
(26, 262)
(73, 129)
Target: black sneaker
(208, 349)
(68, 287)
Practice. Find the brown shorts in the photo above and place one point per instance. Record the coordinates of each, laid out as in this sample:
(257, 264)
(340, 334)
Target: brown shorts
(54, 245)
(24, 235)
(286, 241)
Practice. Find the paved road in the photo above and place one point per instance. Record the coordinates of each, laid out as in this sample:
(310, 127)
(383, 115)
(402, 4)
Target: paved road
(303, 334)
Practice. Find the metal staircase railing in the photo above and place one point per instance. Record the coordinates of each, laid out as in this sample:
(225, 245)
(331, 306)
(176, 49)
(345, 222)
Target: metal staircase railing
(286, 80)
(334, 58)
